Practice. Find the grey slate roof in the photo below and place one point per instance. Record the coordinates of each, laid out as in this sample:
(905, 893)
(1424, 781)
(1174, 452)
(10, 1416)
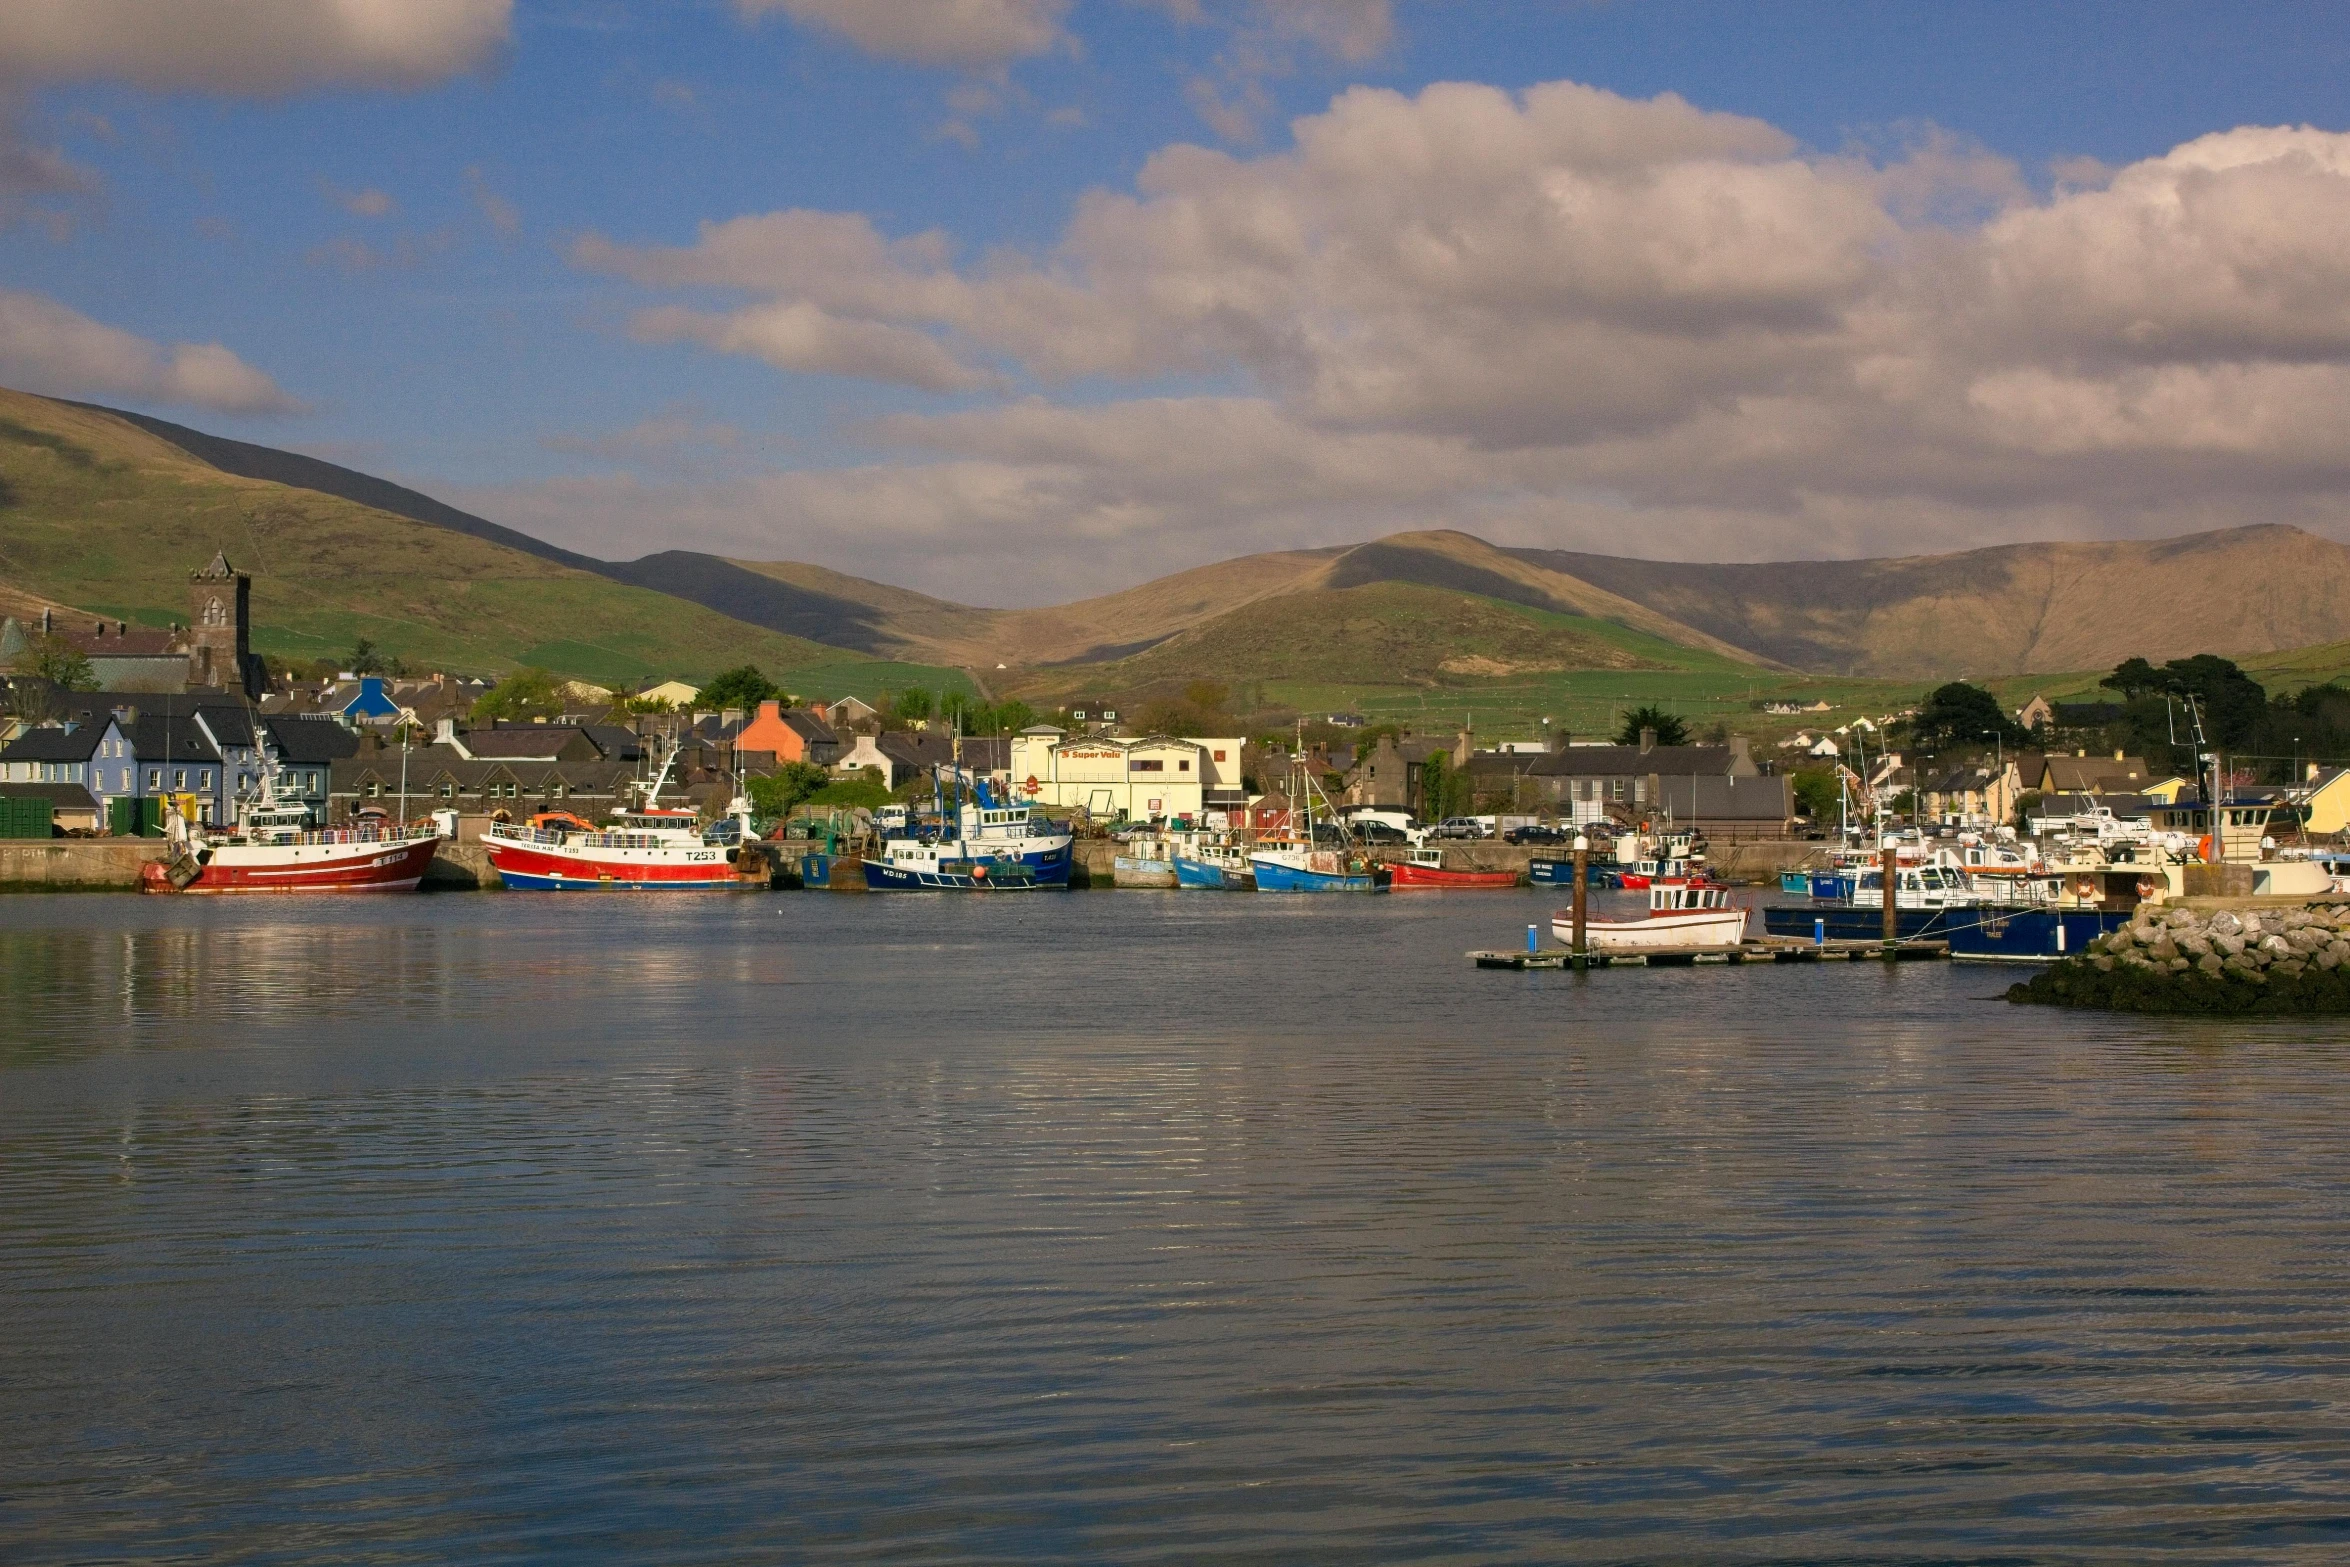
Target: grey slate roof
(310, 742)
(54, 744)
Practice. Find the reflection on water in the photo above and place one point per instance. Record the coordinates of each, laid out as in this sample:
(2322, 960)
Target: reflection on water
(1131, 1226)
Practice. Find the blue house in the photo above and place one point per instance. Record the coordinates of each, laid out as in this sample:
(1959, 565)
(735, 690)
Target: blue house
(171, 754)
(92, 755)
(370, 704)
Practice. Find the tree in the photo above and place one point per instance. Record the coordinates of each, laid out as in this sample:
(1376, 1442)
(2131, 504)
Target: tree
(1960, 714)
(526, 693)
(1443, 791)
(1817, 790)
(2133, 678)
(741, 688)
(368, 659)
(63, 665)
(774, 794)
(1670, 730)
(912, 703)
(954, 709)
(2233, 702)
(1013, 716)
(1207, 695)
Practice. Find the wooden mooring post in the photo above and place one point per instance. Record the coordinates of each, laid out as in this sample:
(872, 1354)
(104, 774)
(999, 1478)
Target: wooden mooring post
(1582, 892)
(1892, 914)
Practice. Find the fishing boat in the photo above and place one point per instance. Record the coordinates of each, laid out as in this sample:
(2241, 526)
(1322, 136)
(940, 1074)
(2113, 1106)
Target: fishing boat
(275, 850)
(992, 847)
(1283, 867)
(1298, 858)
(1560, 872)
(2003, 933)
(1679, 917)
(1923, 896)
(1425, 869)
(1212, 862)
(647, 847)
(915, 865)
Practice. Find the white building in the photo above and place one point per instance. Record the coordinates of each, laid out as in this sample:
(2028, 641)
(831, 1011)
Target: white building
(1114, 775)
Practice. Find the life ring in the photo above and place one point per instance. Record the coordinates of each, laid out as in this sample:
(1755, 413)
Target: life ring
(2145, 887)
(2203, 849)
(2086, 888)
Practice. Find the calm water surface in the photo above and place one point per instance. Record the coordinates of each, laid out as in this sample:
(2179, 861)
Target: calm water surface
(1146, 1227)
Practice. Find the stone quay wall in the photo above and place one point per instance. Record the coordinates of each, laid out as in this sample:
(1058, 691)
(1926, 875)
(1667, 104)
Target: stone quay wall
(76, 864)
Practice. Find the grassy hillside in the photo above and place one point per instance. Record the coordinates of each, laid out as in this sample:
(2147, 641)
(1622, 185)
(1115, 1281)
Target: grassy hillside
(97, 512)
(2008, 610)
(1394, 639)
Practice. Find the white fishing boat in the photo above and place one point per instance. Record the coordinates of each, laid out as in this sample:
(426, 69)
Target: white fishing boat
(1144, 861)
(1679, 917)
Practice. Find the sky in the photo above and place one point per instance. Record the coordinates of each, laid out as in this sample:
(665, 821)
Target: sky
(1017, 300)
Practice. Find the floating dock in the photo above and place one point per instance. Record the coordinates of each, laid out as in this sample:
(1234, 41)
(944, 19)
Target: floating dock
(1768, 951)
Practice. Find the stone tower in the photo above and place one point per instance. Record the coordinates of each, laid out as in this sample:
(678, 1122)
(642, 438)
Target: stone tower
(220, 633)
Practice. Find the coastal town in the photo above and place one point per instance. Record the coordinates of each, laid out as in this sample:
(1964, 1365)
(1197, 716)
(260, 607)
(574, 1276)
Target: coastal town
(136, 740)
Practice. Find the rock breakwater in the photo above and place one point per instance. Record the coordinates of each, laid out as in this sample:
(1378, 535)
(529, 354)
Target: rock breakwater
(2292, 960)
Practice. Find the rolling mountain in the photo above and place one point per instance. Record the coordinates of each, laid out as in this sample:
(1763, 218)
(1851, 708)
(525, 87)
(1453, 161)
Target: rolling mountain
(100, 511)
(2012, 609)
(98, 508)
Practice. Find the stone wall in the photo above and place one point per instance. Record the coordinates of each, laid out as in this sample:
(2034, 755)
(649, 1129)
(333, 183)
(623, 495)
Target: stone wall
(76, 864)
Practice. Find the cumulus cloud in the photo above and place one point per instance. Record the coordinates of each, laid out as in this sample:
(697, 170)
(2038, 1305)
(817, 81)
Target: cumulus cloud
(963, 34)
(1564, 309)
(39, 185)
(48, 347)
(258, 47)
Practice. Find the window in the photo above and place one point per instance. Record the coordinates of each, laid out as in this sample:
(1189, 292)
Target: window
(375, 788)
(448, 791)
(154, 780)
(1152, 766)
(314, 783)
(179, 778)
(557, 790)
(1184, 765)
(204, 780)
(1219, 756)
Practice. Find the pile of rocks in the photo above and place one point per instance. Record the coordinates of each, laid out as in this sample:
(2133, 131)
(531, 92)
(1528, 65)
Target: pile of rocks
(2225, 960)
(2250, 945)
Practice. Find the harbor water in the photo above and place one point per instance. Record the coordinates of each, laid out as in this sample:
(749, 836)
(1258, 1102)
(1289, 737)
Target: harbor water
(1141, 1226)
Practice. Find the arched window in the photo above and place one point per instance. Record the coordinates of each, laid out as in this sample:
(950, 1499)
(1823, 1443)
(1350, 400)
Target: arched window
(214, 615)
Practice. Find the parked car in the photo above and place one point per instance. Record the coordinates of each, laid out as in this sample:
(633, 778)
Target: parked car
(1536, 832)
(1460, 827)
(1372, 830)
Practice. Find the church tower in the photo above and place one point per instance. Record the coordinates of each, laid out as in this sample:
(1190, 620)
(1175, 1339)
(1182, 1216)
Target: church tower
(220, 637)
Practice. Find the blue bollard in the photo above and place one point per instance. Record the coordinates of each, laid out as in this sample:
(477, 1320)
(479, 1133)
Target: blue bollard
(1819, 931)
(1533, 938)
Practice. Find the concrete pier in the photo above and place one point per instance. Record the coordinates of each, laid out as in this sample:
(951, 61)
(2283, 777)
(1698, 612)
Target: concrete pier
(75, 864)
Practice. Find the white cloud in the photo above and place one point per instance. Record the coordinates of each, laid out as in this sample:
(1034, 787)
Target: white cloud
(1566, 310)
(255, 47)
(964, 34)
(48, 347)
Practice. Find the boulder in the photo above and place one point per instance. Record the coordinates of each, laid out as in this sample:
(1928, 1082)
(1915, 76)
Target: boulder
(2226, 923)
(2229, 944)
(2162, 949)
(2209, 963)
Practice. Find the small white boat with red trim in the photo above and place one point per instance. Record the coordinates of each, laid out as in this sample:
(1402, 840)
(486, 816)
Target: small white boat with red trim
(1679, 917)
(276, 850)
(649, 847)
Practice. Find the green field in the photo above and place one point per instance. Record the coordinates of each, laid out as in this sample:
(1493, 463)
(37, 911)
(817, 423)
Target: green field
(866, 679)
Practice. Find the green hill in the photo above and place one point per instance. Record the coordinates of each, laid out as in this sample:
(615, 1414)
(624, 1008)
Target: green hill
(99, 513)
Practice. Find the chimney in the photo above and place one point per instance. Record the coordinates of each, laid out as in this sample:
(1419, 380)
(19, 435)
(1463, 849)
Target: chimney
(2117, 756)
(1741, 758)
(770, 709)
(47, 624)
(1647, 741)
(445, 732)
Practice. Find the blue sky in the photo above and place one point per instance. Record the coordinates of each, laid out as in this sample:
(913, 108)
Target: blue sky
(388, 238)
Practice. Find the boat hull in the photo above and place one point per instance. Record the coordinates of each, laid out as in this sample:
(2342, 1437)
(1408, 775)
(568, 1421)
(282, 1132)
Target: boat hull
(1050, 865)
(1210, 876)
(1561, 873)
(1805, 921)
(1666, 930)
(396, 866)
(2000, 935)
(1433, 878)
(1273, 876)
(550, 868)
(881, 876)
